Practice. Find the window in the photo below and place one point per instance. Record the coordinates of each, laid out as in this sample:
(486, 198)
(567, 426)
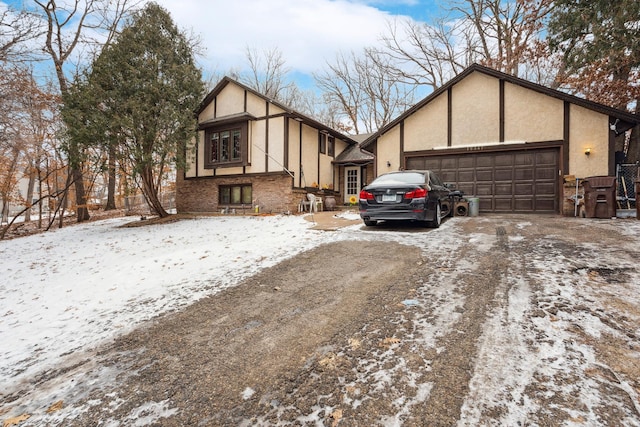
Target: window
(322, 142)
(226, 147)
(331, 147)
(235, 194)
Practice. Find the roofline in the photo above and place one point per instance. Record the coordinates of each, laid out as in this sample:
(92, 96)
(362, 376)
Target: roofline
(631, 118)
(291, 113)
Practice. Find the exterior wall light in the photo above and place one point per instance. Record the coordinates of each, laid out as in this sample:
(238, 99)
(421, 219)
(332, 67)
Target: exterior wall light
(388, 164)
(587, 152)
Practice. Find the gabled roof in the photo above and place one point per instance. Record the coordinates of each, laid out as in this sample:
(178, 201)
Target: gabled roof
(296, 115)
(354, 155)
(628, 120)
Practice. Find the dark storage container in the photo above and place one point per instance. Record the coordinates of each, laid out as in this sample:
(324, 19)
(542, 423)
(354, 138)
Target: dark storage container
(600, 196)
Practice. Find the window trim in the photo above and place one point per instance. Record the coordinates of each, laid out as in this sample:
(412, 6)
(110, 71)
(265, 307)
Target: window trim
(242, 160)
(322, 143)
(242, 188)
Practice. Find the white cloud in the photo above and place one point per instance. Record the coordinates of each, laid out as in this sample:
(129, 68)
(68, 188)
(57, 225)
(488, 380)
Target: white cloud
(307, 32)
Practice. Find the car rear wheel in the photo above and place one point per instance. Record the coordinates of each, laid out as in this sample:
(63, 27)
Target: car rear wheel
(437, 220)
(370, 223)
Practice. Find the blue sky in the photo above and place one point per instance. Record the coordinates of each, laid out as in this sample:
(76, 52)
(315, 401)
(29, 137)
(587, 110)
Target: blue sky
(308, 33)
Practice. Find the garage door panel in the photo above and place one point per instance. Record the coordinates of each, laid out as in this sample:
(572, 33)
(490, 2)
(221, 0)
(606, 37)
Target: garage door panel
(523, 205)
(545, 158)
(546, 173)
(504, 160)
(523, 174)
(503, 204)
(483, 160)
(503, 189)
(483, 190)
(466, 176)
(504, 174)
(524, 159)
(508, 181)
(465, 161)
(484, 175)
(448, 176)
(523, 189)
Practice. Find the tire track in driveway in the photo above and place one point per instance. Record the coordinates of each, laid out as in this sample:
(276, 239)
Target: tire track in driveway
(452, 366)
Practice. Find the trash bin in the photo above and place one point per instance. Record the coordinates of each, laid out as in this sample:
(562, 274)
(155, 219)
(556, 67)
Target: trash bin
(474, 206)
(600, 196)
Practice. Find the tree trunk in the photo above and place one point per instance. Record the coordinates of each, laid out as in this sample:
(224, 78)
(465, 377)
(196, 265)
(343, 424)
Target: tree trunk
(82, 211)
(111, 182)
(151, 193)
(29, 198)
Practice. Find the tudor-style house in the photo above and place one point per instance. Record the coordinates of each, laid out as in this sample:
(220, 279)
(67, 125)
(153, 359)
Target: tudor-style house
(253, 153)
(510, 143)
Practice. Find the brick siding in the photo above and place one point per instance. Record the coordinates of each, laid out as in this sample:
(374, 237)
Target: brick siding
(273, 193)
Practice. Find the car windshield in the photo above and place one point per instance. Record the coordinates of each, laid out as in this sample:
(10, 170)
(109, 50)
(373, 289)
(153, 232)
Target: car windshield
(400, 178)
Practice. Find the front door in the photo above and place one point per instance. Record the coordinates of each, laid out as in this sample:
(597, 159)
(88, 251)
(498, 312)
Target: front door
(351, 182)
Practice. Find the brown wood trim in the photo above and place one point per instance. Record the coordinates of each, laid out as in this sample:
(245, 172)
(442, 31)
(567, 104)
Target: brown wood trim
(197, 148)
(501, 110)
(485, 149)
(612, 151)
(242, 175)
(566, 136)
(286, 143)
(402, 165)
(272, 116)
(300, 155)
(266, 139)
(244, 108)
(449, 116)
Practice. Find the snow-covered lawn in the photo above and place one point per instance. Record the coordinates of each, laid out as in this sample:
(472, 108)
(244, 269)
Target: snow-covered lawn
(73, 288)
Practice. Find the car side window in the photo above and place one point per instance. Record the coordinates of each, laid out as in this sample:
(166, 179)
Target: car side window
(435, 180)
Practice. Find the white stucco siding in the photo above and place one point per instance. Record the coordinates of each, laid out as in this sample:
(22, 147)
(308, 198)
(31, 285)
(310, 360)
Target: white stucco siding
(588, 129)
(388, 151)
(475, 110)
(309, 156)
(276, 144)
(230, 101)
(531, 116)
(427, 127)
(201, 156)
(294, 148)
(256, 106)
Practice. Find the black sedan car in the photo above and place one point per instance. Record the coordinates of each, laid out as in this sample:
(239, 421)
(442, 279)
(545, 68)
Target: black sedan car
(411, 195)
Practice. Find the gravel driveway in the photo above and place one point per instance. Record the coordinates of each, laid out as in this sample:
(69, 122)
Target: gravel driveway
(516, 320)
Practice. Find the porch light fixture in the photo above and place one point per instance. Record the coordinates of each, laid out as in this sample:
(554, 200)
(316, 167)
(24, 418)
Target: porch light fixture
(587, 152)
(388, 164)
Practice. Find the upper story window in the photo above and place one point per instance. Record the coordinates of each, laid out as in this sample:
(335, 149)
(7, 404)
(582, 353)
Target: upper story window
(322, 143)
(226, 146)
(331, 147)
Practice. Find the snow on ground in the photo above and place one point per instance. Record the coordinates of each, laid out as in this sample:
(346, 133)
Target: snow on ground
(68, 290)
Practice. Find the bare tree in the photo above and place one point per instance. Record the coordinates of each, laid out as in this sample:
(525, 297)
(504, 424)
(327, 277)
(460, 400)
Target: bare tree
(69, 27)
(17, 28)
(505, 35)
(367, 93)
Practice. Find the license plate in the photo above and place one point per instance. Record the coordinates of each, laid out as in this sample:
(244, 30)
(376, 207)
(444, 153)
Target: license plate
(388, 197)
